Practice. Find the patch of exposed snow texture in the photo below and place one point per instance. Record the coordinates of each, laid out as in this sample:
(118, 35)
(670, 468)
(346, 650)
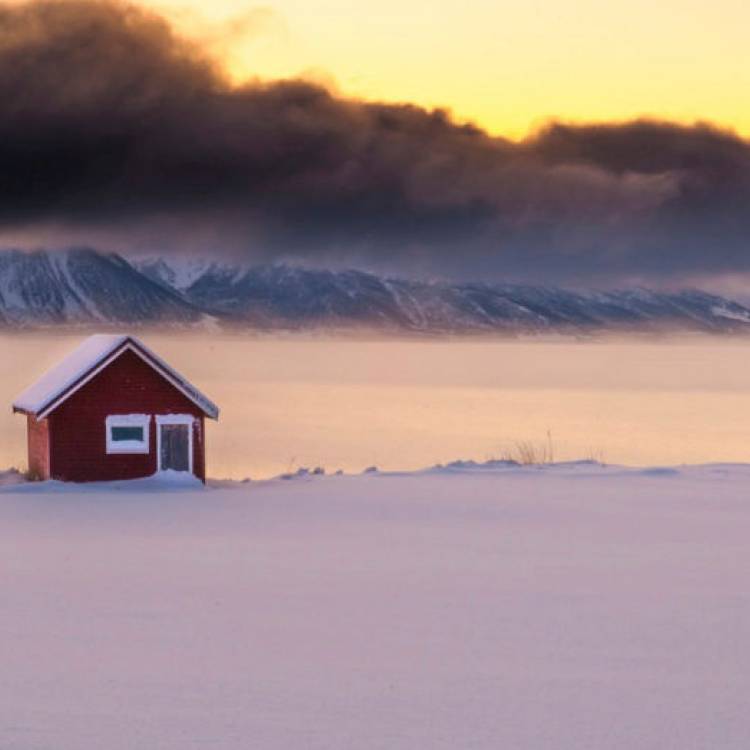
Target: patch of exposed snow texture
(179, 274)
(723, 312)
(480, 607)
(11, 476)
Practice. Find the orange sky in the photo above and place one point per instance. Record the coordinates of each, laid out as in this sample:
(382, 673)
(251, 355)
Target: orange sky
(506, 65)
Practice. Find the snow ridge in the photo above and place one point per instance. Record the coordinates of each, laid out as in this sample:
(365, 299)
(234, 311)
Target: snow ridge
(87, 288)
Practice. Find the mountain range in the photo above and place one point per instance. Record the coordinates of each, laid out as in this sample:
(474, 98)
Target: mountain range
(88, 288)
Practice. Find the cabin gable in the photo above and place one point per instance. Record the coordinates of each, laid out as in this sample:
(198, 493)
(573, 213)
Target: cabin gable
(128, 385)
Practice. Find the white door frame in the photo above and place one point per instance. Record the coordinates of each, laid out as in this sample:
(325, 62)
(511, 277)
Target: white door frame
(164, 419)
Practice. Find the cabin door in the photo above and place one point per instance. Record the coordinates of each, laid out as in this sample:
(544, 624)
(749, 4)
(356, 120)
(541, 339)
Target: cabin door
(174, 447)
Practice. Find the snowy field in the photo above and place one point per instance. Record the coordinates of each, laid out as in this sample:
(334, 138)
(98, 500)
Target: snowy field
(566, 608)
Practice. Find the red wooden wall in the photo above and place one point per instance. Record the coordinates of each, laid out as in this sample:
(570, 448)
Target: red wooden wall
(77, 428)
(37, 433)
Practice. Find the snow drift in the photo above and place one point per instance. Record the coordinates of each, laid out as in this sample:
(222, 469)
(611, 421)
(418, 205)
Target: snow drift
(466, 606)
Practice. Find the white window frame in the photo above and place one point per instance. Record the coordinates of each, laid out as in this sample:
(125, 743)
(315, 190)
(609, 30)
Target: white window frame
(119, 447)
(167, 419)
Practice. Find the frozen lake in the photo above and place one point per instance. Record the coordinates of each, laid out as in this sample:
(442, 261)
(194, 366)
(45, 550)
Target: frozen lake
(302, 401)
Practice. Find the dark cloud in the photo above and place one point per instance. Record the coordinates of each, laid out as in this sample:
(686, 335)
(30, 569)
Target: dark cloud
(114, 130)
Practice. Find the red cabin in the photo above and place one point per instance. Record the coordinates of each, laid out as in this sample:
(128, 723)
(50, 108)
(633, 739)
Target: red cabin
(113, 410)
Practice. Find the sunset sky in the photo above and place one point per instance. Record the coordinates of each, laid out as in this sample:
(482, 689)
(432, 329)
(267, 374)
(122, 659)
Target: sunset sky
(505, 65)
(580, 142)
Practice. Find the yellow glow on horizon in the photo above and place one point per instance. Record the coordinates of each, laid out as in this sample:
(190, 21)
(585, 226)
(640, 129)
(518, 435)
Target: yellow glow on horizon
(508, 66)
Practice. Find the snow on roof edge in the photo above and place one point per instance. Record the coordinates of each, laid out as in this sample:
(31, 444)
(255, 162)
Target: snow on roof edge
(91, 353)
(67, 371)
(209, 407)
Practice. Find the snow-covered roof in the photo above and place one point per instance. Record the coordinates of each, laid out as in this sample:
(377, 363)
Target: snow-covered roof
(85, 361)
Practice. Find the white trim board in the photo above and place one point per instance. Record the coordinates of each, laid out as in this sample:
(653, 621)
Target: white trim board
(126, 447)
(174, 419)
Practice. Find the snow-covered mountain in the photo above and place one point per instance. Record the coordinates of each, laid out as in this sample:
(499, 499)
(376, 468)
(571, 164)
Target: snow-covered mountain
(80, 287)
(85, 287)
(294, 297)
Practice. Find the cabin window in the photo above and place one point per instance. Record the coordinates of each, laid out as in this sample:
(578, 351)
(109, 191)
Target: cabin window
(128, 433)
